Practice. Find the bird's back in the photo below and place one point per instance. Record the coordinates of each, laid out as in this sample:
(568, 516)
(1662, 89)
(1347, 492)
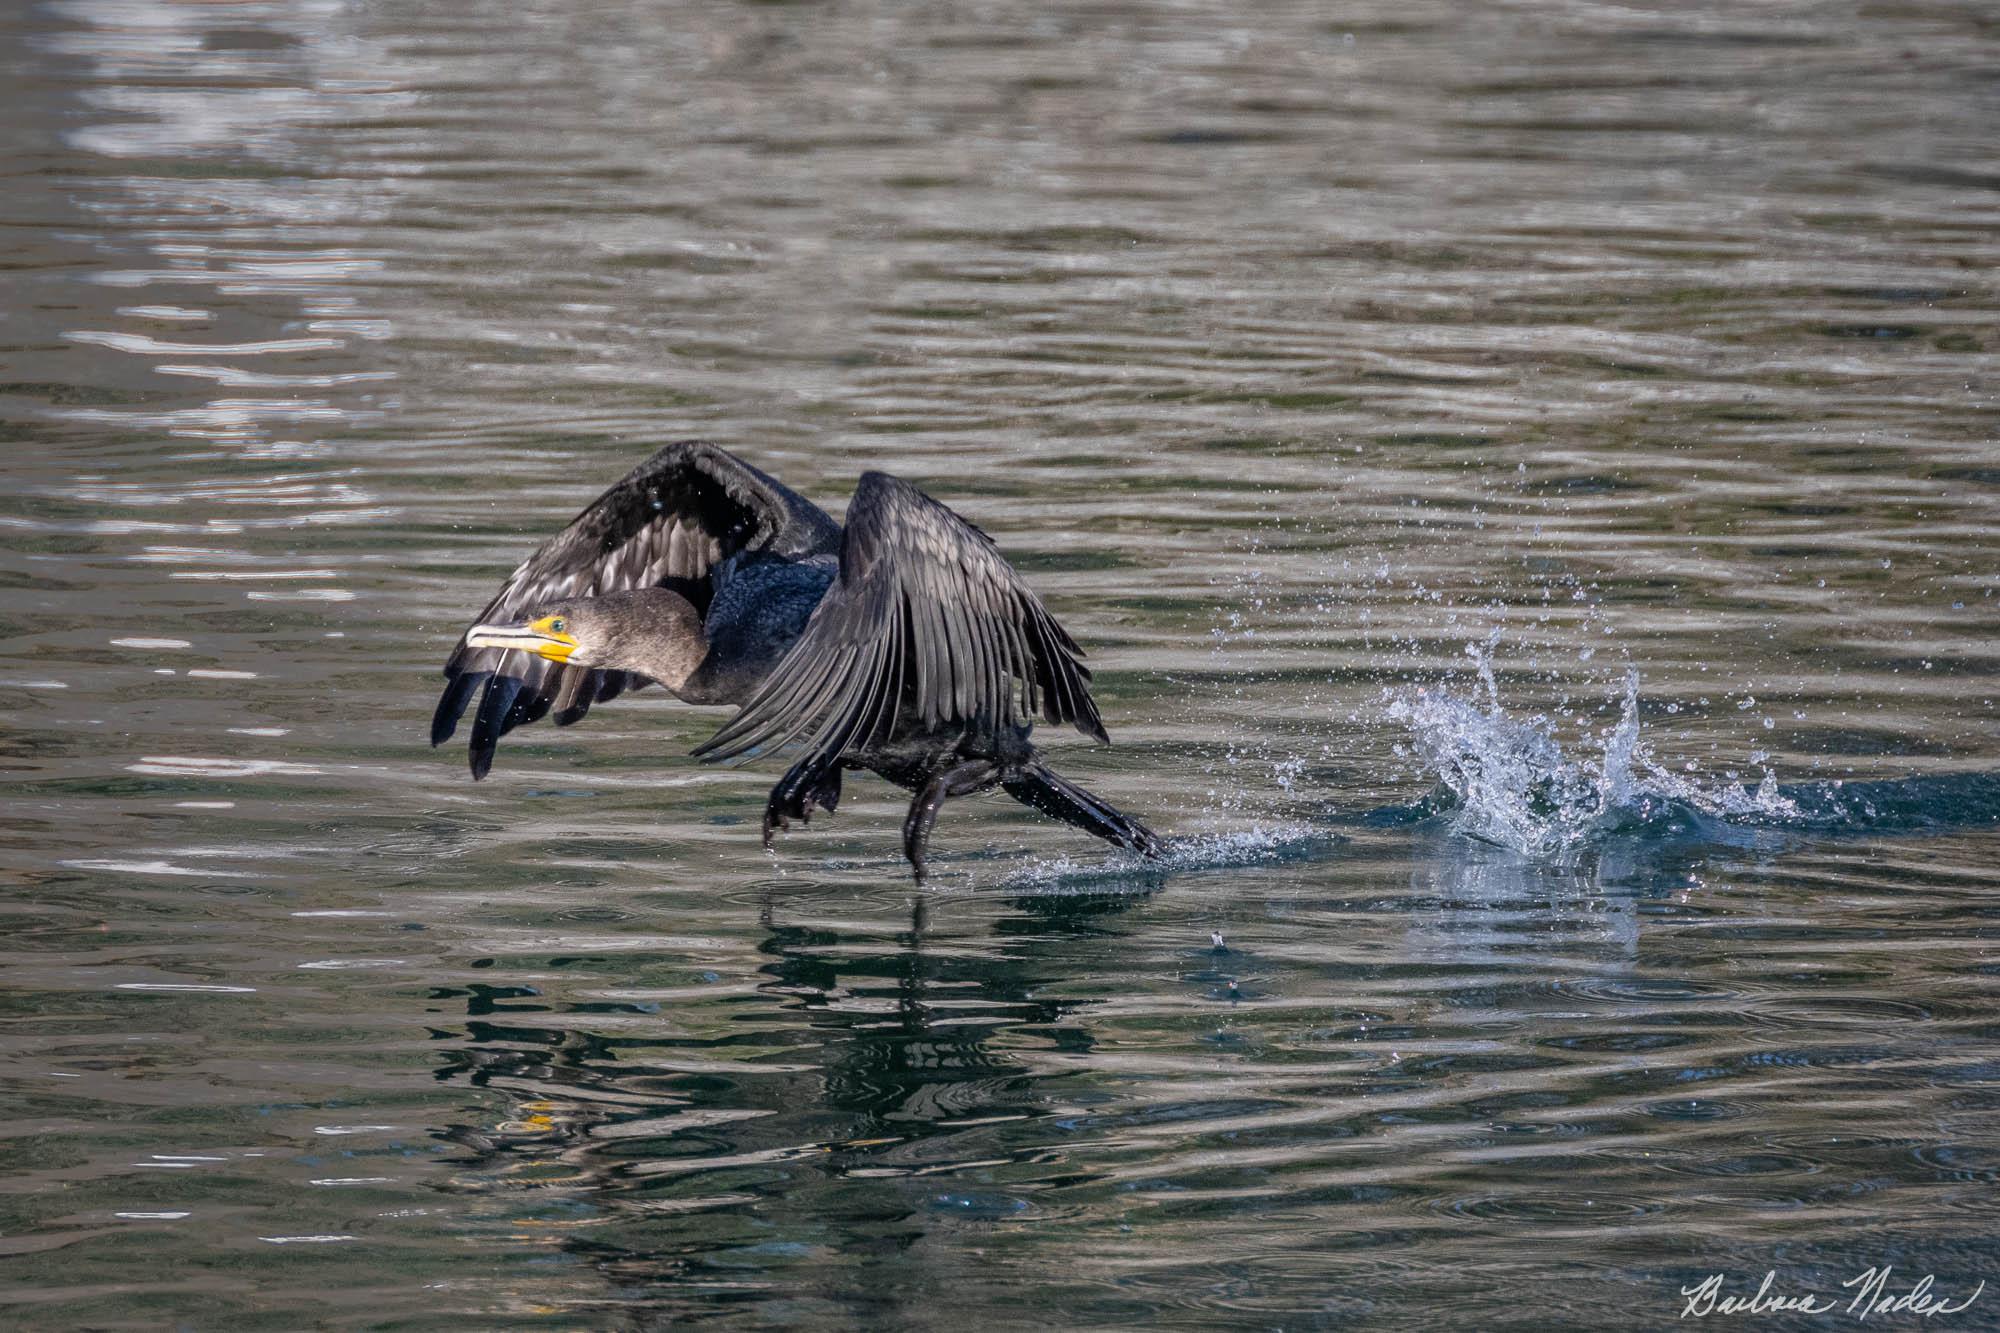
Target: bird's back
(759, 609)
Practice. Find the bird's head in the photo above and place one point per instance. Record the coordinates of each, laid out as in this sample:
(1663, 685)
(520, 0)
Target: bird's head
(560, 633)
(652, 631)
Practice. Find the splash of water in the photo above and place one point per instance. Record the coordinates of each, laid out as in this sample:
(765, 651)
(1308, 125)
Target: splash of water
(1506, 779)
(1262, 844)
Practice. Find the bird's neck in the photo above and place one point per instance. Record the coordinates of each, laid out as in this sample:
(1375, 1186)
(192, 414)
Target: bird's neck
(667, 643)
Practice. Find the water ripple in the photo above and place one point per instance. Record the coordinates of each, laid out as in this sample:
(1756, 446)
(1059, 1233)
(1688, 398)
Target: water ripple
(1287, 353)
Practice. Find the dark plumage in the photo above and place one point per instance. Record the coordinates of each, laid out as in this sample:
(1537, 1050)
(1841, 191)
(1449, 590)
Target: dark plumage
(903, 644)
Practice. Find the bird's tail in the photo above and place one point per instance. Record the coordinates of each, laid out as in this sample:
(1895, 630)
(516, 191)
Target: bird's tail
(1033, 784)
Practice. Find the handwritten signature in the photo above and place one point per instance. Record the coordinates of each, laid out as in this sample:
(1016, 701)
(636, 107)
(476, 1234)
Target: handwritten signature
(1872, 1296)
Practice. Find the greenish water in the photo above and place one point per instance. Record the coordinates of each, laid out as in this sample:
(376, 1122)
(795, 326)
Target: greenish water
(1291, 355)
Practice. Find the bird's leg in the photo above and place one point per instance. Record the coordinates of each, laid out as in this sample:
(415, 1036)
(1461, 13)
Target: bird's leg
(1034, 785)
(804, 785)
(974, 775)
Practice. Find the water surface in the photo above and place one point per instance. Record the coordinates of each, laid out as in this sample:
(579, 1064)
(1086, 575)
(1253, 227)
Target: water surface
(1291, 356)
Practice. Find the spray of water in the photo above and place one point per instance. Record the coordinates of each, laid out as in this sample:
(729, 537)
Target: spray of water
(1507, 780)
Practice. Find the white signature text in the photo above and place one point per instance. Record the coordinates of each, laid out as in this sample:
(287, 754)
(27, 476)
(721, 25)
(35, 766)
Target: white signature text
(1871, 1295)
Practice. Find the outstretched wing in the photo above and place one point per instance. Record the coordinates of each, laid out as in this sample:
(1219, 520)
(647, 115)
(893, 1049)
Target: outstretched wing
(668, 521)
(925, 623)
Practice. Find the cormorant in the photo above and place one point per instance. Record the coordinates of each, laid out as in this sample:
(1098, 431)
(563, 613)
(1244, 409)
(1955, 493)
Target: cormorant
(903, 642)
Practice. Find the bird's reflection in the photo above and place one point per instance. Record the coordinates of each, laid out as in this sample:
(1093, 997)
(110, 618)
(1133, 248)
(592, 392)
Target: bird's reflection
(865, 1063)
(907, 1033)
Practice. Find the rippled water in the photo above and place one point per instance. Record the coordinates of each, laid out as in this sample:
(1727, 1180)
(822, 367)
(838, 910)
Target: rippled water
(1292, 356)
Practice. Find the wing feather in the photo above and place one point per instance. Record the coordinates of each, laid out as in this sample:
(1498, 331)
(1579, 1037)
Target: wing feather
(926, 625)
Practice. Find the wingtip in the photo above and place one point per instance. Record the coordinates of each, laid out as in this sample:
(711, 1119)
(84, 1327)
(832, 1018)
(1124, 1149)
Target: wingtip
(451, 704)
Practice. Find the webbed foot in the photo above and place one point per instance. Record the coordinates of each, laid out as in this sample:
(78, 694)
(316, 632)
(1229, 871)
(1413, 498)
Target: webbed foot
(795, 796)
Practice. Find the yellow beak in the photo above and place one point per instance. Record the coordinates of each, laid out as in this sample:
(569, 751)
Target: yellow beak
(539, 637)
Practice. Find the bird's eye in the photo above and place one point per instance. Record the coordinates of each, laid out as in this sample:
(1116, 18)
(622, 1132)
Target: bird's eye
(556, 625)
